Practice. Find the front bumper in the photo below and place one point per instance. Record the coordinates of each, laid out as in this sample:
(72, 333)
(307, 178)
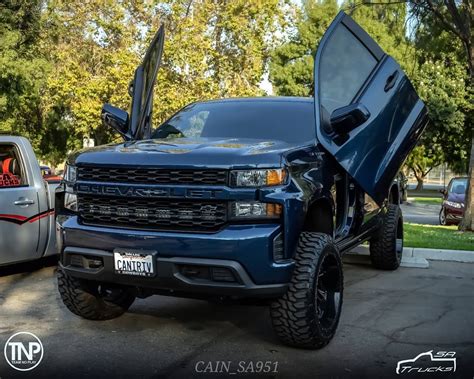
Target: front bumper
(245, 252)
(454, 215)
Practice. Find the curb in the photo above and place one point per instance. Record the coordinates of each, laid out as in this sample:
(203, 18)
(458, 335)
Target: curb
(418, 257)
(361, 254)
(463, 256)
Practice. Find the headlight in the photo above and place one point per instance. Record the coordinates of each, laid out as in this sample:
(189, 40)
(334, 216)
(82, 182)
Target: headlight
(453, 204)
(70, 173)
(254, 209)
(258, 178)
(70, 201)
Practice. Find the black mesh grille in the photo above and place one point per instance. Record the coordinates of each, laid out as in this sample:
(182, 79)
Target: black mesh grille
(152, 214)
(152, 176)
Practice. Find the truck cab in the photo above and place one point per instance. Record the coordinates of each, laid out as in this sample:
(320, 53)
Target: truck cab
(244, 198)
(26, 204)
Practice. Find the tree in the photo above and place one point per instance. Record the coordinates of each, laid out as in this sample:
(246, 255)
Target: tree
(456, 19)
(23, 69)
(421, 162)
(291, 68)
(441, 85)
(213, 48)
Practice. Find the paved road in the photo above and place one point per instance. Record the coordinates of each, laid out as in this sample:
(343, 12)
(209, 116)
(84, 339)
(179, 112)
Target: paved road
(421, 214)
(387, 317)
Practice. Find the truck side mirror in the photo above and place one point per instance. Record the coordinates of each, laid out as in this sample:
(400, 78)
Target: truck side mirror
(347, 118)
(115, 118)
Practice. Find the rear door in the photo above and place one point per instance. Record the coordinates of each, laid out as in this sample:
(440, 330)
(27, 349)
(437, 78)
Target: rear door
(143, 84)
(350, 68)
(19, 209)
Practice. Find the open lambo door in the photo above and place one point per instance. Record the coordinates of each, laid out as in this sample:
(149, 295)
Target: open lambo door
(368, 115)
(137, 125)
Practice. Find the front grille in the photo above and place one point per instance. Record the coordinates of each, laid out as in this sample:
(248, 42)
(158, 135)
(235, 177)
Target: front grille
(152, 214)
(152, 176)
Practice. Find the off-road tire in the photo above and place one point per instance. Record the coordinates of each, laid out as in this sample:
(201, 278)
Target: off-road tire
(295, 316)
(386, 246)
(83, 298)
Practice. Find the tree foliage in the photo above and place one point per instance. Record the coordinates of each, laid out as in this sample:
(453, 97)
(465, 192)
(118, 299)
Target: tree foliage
(291, 68)
(453, 20)
(23, 70)
(78, 55)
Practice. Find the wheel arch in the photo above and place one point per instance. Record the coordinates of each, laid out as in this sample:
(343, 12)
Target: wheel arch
(394, 194)
(319, 216)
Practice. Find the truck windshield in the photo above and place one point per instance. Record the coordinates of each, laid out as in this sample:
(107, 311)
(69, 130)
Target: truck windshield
(288, 121)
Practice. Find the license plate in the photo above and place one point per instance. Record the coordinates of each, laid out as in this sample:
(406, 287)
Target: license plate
(137, 263)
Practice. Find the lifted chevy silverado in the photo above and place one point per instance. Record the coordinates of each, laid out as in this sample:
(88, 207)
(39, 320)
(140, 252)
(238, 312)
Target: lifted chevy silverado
(244, 198)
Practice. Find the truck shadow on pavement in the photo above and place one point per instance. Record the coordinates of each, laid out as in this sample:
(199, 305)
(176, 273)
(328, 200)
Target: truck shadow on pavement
(201, 316)
(28, 267)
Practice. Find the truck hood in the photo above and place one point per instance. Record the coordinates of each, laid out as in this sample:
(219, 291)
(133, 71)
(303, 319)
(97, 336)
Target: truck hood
(187, 152)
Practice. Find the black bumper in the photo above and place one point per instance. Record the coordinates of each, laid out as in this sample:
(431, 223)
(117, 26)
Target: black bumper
(180, 276)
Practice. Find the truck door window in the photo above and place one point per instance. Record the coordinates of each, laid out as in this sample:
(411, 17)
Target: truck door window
(345, 65)
(11, 172)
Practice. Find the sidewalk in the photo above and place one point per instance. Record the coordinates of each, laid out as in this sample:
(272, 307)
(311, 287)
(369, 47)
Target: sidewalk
(415, 257)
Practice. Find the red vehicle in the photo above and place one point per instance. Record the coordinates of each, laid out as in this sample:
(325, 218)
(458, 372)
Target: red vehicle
(48, 174)
(452, 209)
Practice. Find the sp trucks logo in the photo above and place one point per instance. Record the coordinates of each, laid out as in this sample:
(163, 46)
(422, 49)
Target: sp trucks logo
(23, 351)
(167, 192)
(440, 362)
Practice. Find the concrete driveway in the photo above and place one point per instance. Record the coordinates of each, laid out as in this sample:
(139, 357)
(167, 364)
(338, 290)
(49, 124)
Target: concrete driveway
(387, 317)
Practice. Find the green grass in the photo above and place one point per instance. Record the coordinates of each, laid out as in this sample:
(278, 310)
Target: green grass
(437, 237)
(429, 200)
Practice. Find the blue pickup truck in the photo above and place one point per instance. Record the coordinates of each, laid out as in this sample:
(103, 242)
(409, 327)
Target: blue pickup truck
(244, 198)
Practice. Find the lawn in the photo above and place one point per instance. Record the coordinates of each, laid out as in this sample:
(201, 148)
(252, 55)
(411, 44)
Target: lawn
(437, 237)
(428, 200)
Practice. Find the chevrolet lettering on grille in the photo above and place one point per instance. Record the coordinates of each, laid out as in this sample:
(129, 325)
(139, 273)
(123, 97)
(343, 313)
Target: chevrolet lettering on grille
(163, 192)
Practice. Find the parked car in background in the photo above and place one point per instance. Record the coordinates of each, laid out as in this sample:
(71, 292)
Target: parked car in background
(26, 204)
(45, 170)
(49, 175)
(454, 201)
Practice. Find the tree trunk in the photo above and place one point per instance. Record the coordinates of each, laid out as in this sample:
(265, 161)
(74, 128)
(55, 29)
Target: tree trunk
(468, 221)
(419, 176)
(419, 184)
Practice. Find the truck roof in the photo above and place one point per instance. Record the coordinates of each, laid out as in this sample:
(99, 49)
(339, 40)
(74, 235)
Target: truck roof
(11, 139)
(285, 99)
